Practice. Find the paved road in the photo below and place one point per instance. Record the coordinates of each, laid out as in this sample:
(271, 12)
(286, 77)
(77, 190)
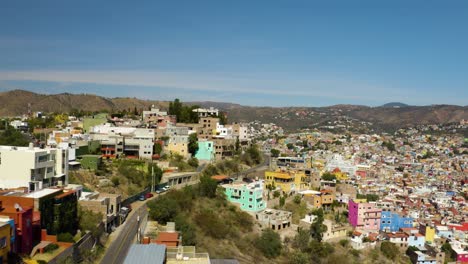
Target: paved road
(118, 249)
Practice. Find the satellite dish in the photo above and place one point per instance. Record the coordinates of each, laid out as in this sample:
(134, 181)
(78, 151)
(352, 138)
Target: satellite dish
(18, 207)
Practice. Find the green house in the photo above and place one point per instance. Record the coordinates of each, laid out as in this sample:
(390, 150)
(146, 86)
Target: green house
(205, 151)
(248, 196)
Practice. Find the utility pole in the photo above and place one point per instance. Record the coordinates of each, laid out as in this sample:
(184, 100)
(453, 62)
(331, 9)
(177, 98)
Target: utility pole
(152, 177)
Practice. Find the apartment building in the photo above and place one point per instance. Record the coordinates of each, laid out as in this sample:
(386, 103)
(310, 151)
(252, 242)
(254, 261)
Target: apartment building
(248, 196)
(129, 141)
(208, 127)
(287, 181)
(32, 167)
(392, 221)
(363, 215)
(224, 148)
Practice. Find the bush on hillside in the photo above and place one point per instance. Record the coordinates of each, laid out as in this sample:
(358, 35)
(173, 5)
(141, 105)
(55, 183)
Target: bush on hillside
(269, 243)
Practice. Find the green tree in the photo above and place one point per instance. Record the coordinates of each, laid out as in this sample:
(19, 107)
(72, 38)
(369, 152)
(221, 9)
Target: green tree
(275, 153)
(269, 243)
(290, 146)
(317, 228)
(208, 187)
(193, 143)
(90, 221)
(187, 230)
(158, 148)
(450, 254)
(301, 239)
(163, 209)
(282, 201)
(12, 137)
(327, 176)
(276, 194)
(222, 118)
(297, 199)
(298, 257)
(193, 162)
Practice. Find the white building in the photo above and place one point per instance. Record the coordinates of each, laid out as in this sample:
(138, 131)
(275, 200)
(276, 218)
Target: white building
(204, 112)
(32, 167)
(337, 161)
(19, 125)
(154, 112)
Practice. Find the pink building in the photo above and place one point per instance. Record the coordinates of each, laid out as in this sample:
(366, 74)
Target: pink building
(363, 215)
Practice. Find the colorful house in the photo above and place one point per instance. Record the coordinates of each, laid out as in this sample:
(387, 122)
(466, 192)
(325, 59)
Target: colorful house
(392, 221)
(287, 181)
(23, 218)
(205, 151)
(364, 215)
(324, 199)
(5, 240)
(248, 196)
(428, 231)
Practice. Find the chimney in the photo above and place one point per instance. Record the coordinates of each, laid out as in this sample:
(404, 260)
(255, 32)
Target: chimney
(31, 146)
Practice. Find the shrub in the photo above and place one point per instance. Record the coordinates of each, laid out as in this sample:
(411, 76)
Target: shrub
(193, 162)
(163, 209)
(269, 243)
(355, 252)
(115, 180)
(65, 237)
(297, 199)
(51, 247)
(276, 194)
(344, 242)
(389, 250)
(212, 224)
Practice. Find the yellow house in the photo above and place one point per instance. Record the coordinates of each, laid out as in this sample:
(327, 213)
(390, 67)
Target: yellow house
(178, 145)
(5, 238)
(430, 234)
(287, 181)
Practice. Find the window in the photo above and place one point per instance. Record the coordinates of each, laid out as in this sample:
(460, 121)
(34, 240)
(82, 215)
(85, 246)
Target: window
(3, 242)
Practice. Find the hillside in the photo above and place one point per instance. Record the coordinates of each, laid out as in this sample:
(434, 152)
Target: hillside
(14, 103)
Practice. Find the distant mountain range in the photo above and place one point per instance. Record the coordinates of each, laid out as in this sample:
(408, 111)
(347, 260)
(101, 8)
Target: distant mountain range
(386, 117)
(395, 104)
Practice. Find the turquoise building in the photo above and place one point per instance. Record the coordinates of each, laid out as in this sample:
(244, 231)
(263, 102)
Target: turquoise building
(248, 196)
(205, 151)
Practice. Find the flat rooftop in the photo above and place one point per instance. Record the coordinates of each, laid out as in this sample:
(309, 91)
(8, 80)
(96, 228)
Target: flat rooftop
(42, 193)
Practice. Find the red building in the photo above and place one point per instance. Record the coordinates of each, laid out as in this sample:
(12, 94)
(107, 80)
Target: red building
(23, 217)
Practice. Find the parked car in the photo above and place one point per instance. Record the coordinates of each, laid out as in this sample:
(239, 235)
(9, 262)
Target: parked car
(142, 197)
(148, 195)
(158, 191)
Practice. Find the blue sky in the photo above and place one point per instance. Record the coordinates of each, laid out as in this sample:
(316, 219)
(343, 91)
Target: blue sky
(278, 53)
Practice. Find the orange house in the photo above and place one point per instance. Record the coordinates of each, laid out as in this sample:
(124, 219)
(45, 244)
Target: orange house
(170, 239)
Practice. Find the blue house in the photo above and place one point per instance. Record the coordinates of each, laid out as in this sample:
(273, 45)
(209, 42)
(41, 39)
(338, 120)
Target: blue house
(392, 222)
(205, 151)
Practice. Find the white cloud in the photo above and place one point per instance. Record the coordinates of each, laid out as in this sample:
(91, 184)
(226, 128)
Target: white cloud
(348, 91)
